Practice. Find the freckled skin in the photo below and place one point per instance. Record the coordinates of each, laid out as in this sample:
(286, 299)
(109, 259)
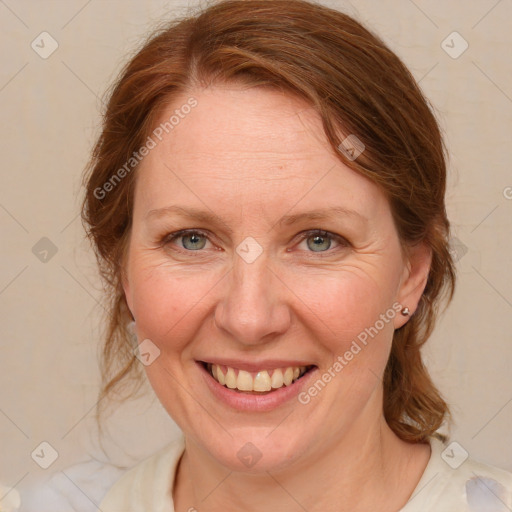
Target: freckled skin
(252, 156)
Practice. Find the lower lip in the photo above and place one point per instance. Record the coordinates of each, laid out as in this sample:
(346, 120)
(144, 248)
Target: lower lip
(248, 402)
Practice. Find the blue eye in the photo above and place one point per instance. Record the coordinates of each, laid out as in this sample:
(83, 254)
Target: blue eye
(319, 242)
(194, 240)
(193, 236)
(322, 240)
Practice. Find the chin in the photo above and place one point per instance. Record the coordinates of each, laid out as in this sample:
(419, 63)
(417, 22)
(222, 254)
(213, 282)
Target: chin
(258, 452)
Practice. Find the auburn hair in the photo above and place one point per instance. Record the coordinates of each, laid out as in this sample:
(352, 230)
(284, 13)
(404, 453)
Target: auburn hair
(357, 85)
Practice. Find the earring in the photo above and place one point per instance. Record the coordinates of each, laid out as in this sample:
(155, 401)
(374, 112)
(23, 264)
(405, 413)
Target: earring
(405, 312)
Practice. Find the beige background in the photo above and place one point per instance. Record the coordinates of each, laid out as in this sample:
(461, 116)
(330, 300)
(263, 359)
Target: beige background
(49, 310)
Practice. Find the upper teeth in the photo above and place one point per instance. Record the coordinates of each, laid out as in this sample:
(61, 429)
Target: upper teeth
(264, 380)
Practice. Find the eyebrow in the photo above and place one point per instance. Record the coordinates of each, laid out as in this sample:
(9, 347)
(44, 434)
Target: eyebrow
(321, 214)
(286, 220)
(192, 213)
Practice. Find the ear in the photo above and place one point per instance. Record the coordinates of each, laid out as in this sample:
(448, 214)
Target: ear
(418, 259)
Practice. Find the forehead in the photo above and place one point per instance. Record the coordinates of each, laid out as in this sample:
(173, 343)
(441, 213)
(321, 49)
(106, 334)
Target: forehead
(257, 123)
(251, 144)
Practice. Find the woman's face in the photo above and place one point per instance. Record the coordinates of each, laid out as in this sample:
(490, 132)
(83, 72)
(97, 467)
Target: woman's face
(293, 262)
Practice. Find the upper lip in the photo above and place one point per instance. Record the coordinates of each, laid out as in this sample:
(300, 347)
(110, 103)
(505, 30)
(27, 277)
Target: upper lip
(253, 366)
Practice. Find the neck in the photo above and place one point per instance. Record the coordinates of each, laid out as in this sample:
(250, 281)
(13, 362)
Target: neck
(367, 468)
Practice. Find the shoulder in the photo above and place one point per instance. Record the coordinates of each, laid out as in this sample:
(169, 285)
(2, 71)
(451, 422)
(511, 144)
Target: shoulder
(146, 486)
(485, 487)
(453, 481)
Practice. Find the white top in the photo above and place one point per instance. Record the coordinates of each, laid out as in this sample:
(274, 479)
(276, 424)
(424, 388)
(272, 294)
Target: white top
(451, 482)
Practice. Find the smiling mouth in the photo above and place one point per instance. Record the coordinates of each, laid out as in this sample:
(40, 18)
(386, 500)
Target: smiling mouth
(260, 382)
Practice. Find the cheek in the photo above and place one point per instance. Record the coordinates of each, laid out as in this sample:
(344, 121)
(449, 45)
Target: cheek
(171, 304)
(170, 308)
(345, 304)
(168, 304)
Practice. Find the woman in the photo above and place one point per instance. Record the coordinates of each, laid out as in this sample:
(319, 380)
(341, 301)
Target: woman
(266, 202)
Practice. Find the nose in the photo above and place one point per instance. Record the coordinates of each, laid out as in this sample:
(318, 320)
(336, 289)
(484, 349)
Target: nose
(253, 309)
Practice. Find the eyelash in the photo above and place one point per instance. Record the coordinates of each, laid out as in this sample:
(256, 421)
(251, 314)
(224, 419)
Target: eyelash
(344, 243)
